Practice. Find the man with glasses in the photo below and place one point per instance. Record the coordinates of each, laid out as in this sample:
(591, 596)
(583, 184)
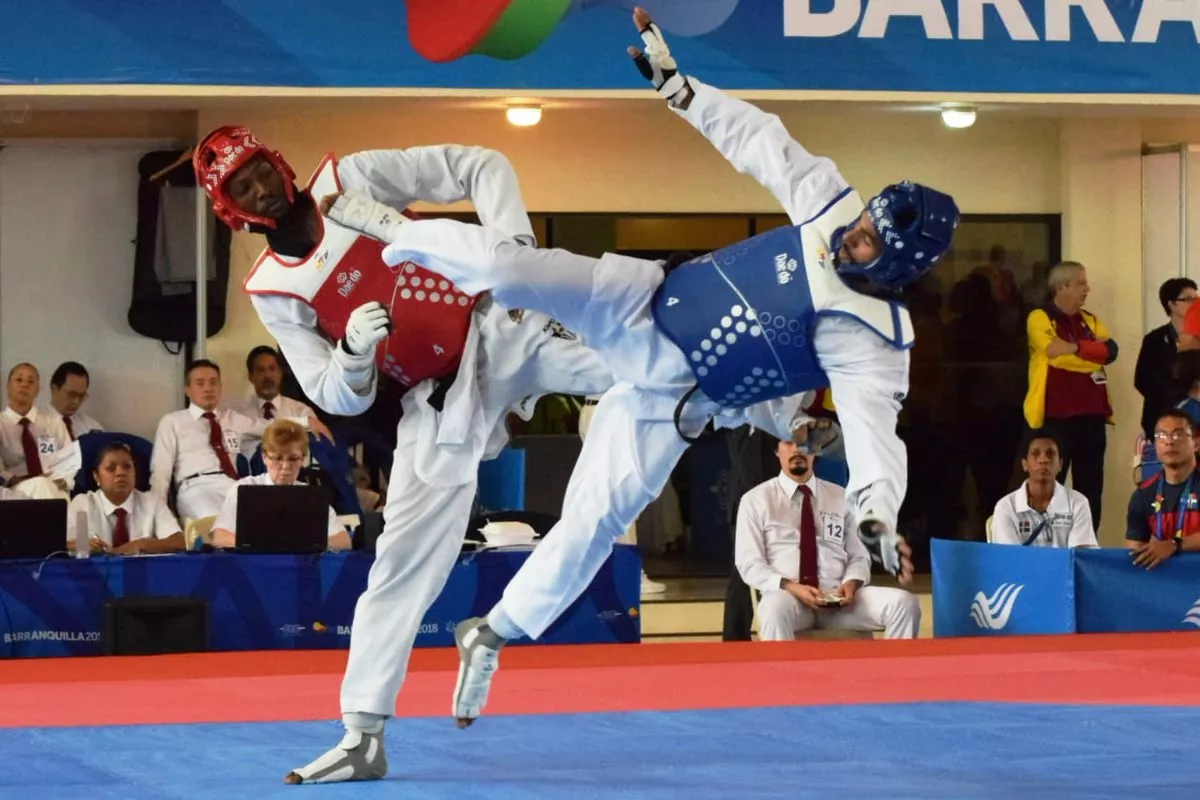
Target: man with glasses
(1164, 511)
(1152, 376)
(68, 389)
(285, 451)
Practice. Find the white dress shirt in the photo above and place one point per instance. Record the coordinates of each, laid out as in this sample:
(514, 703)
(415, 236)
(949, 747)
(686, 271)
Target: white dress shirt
(767, 546)
(284, 407)
(227, 518)
(182, 449)
(81, 423)
(48, 431)
(147, 516)
(1066, 523)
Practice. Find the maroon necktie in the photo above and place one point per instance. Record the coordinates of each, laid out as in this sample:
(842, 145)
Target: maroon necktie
(217, 439)
(70, 429)
(808, 541)
(33, 461)
(268, 410)
(120, 533)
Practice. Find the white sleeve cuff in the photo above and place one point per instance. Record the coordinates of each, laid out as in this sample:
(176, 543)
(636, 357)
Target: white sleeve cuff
(357, 371)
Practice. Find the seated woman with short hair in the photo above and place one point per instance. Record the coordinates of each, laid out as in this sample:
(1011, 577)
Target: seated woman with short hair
(285, 451)
(120, 519)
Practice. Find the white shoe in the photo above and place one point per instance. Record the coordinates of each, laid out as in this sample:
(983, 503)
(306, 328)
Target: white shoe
(651, 587)
(478, 659)
(358, 757)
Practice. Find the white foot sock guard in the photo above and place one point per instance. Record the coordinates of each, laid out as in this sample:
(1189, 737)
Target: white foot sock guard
(359, 756)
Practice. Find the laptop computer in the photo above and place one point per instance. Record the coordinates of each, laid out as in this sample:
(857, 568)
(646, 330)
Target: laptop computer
(32, 528)
(282, 519)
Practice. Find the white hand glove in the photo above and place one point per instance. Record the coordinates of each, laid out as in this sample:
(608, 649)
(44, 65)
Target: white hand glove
(369, 324)
(657, 65)
(361, 213)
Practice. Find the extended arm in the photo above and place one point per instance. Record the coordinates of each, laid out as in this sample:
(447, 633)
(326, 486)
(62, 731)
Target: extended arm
(442, 174)
(757, 144)
(754, 142)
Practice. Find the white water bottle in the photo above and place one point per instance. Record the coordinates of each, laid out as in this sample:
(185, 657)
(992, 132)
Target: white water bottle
(82, 543)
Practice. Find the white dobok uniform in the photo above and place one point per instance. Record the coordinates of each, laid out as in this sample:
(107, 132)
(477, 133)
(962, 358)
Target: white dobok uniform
(505, 366)
(632, 445)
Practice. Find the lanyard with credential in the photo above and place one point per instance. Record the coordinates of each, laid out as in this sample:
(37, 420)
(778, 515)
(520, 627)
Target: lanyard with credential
(1180, 513)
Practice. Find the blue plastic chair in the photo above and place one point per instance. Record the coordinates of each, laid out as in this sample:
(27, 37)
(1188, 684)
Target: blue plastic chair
(90, 445)
(834, 470)
(502, 482)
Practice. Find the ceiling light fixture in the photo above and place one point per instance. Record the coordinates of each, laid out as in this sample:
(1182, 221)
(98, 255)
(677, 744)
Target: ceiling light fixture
(523, 116)
(958, 117)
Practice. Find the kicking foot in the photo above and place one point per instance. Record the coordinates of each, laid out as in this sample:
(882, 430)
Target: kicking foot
(887, 548)
(479, 658)
(358, 757)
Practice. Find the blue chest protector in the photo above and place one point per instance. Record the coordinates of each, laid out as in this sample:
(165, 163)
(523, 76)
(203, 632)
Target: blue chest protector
(744, 317)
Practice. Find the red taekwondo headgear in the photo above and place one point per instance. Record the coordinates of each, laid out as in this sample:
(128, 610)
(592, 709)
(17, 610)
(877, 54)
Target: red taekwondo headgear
(222, 153)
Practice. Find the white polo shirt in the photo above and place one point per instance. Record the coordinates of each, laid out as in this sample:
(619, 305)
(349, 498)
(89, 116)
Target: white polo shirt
(1066, 523)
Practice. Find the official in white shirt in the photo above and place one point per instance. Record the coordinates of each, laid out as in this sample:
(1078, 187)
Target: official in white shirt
(264, 400)
(68, 389)
(197, 447)
(796, 543)
(29, 438)
(120, 519)
(285, 451)
(1043, 512)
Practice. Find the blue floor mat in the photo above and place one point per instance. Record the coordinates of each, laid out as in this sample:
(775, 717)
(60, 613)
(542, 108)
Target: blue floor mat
(928, 750)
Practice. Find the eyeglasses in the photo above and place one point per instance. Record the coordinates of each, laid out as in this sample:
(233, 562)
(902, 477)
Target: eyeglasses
(288, 460)
(1177, 435)
(1184, 299)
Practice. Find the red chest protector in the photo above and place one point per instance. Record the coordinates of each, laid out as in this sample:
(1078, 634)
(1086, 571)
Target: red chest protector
(430, 316)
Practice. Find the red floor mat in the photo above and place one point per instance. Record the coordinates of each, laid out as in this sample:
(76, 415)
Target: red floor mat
(1146, 669)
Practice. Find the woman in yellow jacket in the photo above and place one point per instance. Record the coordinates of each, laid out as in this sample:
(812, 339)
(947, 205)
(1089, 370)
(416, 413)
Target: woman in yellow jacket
(1068, 387)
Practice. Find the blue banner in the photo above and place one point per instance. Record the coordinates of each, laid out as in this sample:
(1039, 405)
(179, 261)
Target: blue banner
(1029, 46)
(266, 602)
(1001, 590)
(1114, 595)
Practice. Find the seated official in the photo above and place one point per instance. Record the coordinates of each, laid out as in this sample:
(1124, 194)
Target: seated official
(285, 451)
(797, 543)
(1043, 512)
(1164, 512)
(120, 519)
(30, 438)
(68, 390)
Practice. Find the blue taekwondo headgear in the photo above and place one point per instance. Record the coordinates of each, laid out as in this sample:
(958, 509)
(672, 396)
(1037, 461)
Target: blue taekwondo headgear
(915, 225)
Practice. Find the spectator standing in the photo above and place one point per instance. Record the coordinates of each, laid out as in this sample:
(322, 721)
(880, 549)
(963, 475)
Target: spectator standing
(1152, 376)
(1068, 387)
